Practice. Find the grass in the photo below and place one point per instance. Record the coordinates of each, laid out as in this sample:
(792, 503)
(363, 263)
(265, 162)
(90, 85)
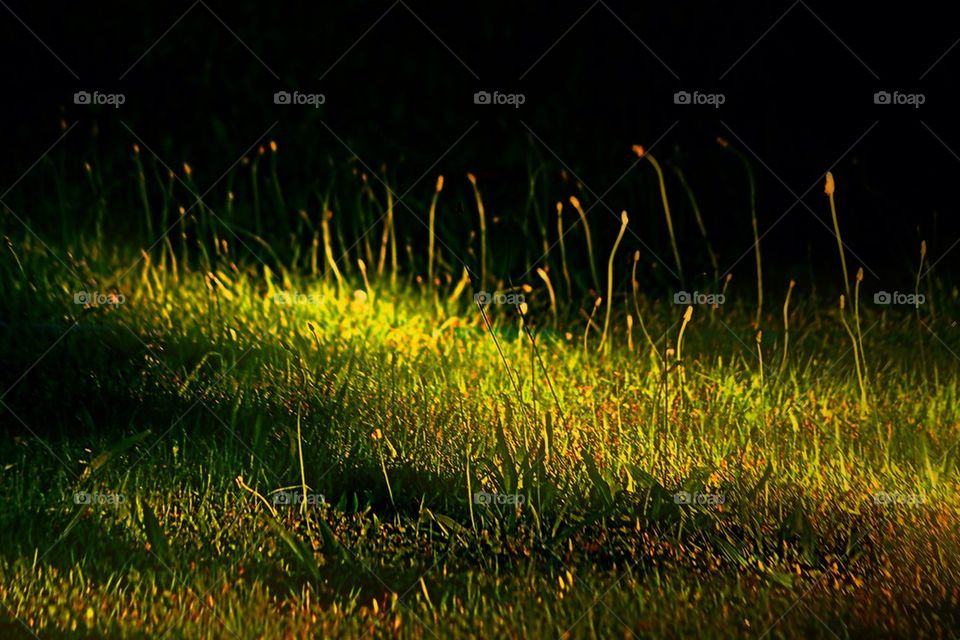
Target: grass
(482, 474)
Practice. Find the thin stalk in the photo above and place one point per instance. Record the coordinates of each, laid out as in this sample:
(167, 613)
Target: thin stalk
(786, 326)
(613, 253)
(753, 223)
(586, 228)
(703, 228)
(563, 249)
(641, 153)
(431, 240)
(483, 230)
(829, 188)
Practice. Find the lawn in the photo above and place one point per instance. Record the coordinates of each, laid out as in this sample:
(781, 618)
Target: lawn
(214, 438)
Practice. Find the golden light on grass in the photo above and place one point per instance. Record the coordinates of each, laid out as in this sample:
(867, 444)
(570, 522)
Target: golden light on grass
(273, 146)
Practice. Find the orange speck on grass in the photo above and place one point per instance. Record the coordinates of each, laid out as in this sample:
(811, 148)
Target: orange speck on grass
(439, 184)
(829, 187)
(637, 149)
(273, 146)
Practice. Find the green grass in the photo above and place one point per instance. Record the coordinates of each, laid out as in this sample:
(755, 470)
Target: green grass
(204, 393)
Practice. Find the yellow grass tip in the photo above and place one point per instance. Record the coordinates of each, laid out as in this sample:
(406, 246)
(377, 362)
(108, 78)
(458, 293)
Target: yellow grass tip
(829, 187)
(759, 336)
(136, 148)
(637, 149)
(722, 142)
(623, 218)
(598, 302)
(273, 146)
(793, 283)
(87, 167)
(472, 178)
(923, 248)
(860, 274)
(559, 207)
(575, 202)
(439, 184)
(688, 314)
(187, 169)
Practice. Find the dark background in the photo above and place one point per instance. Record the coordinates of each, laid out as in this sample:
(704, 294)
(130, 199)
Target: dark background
(798, 78)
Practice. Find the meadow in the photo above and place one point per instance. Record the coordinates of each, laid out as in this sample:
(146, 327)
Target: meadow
(221, 423)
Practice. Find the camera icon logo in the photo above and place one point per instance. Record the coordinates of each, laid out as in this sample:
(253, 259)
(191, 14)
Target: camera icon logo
(82, 497)
(881, 97)
(482, 497)
(283, 497)
(82, 297)
(681, 97)
(682, 297)
(483, 298)
(481, 97)
(281, 97)
(682, 497)
(882, 297)
(81, 97)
